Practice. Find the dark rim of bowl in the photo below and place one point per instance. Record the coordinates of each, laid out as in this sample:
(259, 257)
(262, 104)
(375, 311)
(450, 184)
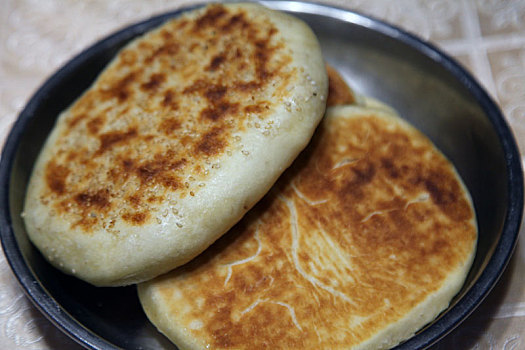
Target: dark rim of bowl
(474, 296)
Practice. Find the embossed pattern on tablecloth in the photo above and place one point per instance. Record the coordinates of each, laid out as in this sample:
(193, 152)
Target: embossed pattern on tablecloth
(486, 36)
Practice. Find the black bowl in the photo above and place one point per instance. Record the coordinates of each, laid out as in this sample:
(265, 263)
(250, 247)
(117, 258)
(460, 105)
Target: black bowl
(426, 86)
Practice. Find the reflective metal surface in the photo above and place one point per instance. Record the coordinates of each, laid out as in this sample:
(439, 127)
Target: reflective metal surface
(428, 89)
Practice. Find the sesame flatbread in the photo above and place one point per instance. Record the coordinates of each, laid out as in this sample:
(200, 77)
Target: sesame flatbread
(183, 132)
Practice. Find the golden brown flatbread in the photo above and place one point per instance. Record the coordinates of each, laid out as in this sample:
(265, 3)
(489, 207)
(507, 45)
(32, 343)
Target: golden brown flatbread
(184, 131)
(339, 92)
(364, 240)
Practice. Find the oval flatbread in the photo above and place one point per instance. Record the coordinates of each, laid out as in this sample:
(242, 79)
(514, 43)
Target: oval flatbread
(363, 241)
(184, 131)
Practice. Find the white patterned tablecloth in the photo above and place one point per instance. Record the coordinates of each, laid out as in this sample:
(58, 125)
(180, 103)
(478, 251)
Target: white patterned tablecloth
(486, 36)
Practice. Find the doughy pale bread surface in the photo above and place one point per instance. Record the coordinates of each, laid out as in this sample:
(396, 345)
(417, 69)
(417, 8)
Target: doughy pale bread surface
(183, 132)
(364, 240)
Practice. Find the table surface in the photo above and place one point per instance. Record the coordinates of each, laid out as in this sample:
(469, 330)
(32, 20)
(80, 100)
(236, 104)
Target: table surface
(486, 36)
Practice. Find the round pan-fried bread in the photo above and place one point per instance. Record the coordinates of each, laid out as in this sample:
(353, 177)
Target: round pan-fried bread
(183, 132)
(339, 92)
(364, 240)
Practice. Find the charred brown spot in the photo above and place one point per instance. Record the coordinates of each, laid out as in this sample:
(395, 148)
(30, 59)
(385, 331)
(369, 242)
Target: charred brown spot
(364, 173)
(170, 125)
(87, 222)
(128, 164)
(170, 181)
(108, 140)
(170, 100)
(439, 193)
(56, 176)
(263, 52)
(166, 35)
(95, 124)
(182, 23)
(198, 85)
(136, 218)
(149, 171)
(390, 168)
(216, 112)
(77, 118)
(254, 108)
(160, 170)
(237, 21)
(121, 90)
(128, 57)
(167, 49)
(145, 46)
(445, 193)
(216, 62)
(155, 81)
(211, 17)
(248, 86)
(98, 199)
(155, 199)
(72, 155)
(238, 54)
(215, 93)
(134, 200)
(212, 92)
(211, 143)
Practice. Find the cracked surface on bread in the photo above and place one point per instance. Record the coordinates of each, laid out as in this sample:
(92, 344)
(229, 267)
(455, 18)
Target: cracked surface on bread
(365, 239)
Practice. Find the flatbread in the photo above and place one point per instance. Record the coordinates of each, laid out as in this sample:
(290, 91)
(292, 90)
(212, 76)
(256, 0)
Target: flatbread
(184, 131)
(339, 92)
(363, 241)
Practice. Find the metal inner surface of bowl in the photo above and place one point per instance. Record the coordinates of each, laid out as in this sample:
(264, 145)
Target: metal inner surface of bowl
(428, 89)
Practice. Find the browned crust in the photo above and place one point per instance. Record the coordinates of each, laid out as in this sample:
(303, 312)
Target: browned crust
(339, 93)
(368, 222)
(158, 118)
